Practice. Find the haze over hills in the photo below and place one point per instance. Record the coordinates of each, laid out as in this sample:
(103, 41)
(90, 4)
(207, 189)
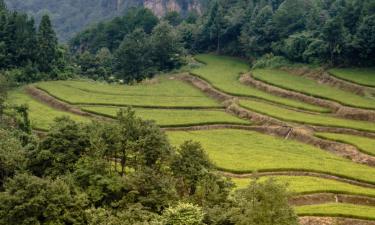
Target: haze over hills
(71, 16)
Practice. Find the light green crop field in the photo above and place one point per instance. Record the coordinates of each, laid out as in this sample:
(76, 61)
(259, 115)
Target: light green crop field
(310, 87)
(242, 151)
(308, 185)
(366, 145)
(224, 74)
(41, 115)
(337, 210)
(165, 92)
(362, 76)
(174, 117)
(305, 118)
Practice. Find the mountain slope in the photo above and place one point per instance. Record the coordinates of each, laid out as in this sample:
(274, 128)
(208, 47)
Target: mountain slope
(71, 16)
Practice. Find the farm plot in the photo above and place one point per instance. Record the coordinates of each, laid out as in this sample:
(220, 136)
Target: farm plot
(366, 145)
(174, 117)
(310, 87)
(242, 151)
(362, 76)
(41, 115)
(305, 118)
(165, 92)
(224, 74)
(338, 210)
(308, 185)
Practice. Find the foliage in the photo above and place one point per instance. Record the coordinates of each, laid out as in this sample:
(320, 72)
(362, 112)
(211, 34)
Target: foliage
(183, 214)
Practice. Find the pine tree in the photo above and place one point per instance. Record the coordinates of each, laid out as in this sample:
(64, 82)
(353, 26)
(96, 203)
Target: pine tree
(47, 45)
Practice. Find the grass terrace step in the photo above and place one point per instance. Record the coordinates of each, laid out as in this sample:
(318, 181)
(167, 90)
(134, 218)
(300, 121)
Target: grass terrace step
(174, 117)
(240, 151)
(306, 118)
(224, 74)
(361, 76)
(311, 87)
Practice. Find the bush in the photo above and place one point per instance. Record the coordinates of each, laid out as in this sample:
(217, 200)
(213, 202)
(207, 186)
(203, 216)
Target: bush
(183, 214)
(271, 61)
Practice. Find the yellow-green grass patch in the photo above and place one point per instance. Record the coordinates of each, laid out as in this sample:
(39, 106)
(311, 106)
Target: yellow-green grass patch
(41, 115)
(166, 92)
(311, 87)
(305, 118)
(362, 76)
(224, 74)
(174, 117)
(338, 210)
(241, 151)
(300, 185)
(364, 144)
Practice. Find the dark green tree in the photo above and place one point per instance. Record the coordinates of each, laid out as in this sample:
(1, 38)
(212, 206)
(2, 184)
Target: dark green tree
(334, 34)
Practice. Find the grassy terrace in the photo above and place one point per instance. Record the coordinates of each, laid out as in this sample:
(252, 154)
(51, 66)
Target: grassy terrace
(174, 117)
(41, 115)
(366, 145)
(311, 87)
(246, 151)
(338, 210)
(307, 185)
(362, 76)
(163, 92)
(305, 118)
(224, 73)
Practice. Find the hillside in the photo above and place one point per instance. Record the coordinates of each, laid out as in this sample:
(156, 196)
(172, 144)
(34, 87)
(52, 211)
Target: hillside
(72, 16)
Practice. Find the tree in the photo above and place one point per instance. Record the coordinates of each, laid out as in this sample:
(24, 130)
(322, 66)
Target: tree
(183, 214)
(263, 203)
(3, 94)
(166, 47)
(173, 18)
(365, 39)
(47, 46)
(215, 24)
(333, 34)
(133, 60)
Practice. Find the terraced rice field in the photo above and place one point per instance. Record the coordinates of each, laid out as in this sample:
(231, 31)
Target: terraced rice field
(338, 210)
(241, 151)
(165, 92)
(310, 87)
(174, 103)
(366, 145)
(41, 115)
(305, 118)
(224, 73)
(174, 117)
(300, 185)
(361, 76)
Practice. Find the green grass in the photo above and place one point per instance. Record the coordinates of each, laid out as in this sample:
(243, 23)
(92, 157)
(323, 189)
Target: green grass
(165, 92)
(307, 185)
(366, 145)
(242, 151)
(224, 74)
(311, 87)
(338, 210)
(362, 76)
(174, 117)
(306, 118)
(41, 115)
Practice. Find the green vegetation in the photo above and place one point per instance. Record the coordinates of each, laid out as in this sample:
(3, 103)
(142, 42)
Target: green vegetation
(362, 76)
(162, 92)
(41, 116)
(247, 151)
(224, 73)
(173, 117)
(311, 87)
(306, 185)
(366, 145)
(338, 210)
(305, 118)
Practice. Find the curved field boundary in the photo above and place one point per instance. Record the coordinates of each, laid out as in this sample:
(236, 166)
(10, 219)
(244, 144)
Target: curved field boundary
(299, 173)
(339, 109)
(352, 82)
(321, 198)
(316, 220)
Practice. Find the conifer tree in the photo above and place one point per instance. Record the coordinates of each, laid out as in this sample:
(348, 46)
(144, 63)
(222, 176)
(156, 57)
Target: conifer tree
(47, 45)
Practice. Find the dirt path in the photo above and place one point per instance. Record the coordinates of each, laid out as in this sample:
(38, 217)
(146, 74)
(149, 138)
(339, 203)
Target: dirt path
(322, 198)
(313, 220)
(337, 108)
(299, 173)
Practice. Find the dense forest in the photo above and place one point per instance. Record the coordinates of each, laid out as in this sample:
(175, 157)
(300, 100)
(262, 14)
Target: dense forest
(71, 16)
